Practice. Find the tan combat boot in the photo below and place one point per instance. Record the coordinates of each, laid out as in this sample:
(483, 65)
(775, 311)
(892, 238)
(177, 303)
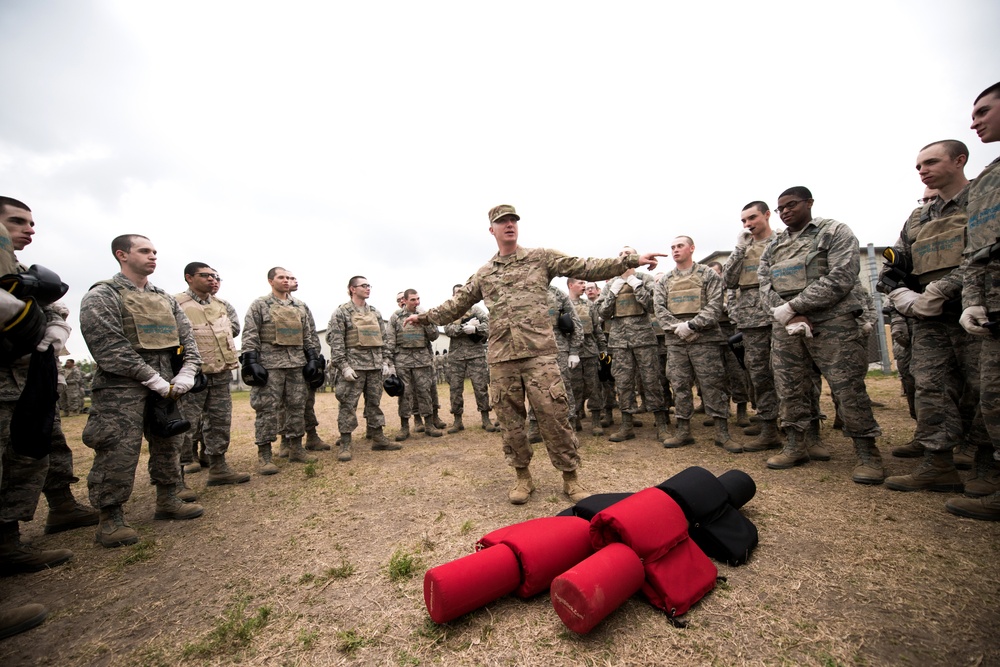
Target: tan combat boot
(814, 446)
(265, 466)
(15, 620)
(283, 448)
(113, 530)
(911, 450)
(418, 424)
(985, 481)
(219, 472)
(869, 469)
(965, 456)
(792, 454)
(662, 425)
(533, 435)
(524, 488)
(608, 418)
(487, 424)
(380, 443)
(984, 509)
(170, 507)
(767, 437)
(436, 421)
(723, 439)
(459, 426)
(345, 447)
(681, 437)
(65, 513)
(16, 558)
(404, 430)
(595, 424)
(314, 443)
(936, 472)
(742, 419)
(431, 427)
(296, 454)
(572, 487)
(626, 431)
(192, 467)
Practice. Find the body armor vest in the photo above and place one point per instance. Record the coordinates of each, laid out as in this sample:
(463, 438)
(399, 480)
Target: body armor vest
(748, 274)
(795, 263)
(285, 327)
(626, 305)
(365, 332)
(213, 332)
(147, 319)
(583, 312)
(684, 293)
(938, 247)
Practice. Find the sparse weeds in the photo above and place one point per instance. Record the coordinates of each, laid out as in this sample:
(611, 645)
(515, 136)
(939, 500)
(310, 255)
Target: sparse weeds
(232, 633)
(349, 641)
(402, 565)
(140, 553)
(310, 470)
(308, 638)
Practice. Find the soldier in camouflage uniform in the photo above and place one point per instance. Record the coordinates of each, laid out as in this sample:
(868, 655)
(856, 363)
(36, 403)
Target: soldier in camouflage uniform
(23, 477)
(736, 378)
(279, 335)
(807, 277)
(522, 350)
(626, 303)
(586, 385)
(466, 358)
(568, 331)
(688, 304)
(356, 334)
(945, 357)
(753, 320)
(981, 299)
(609, 394)
(74, 388)
(133, 330)
(215, 324)
(408, 355)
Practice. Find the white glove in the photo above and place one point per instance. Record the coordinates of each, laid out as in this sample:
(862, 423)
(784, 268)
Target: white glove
(972, 319)
(387, 369)
(56, 334)
(573, 361)
(783, 313)
(469, 328)
(744, 238)
(634, 281)
(10, 306)
(474, 322)
(158, 384)
(866, 328)
(349, 374)
(616, 286)
(903, 299)
(799, 329)
(183, 382)
(930, 303)
(683, 330)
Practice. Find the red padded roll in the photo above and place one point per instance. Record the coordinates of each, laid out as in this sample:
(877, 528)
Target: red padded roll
(586, 593)
(649, 521)
(679, 579)
(468, 583)
(545, 548)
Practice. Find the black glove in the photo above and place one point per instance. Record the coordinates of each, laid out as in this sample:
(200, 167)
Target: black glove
(40, 283)
(21, 336)
(313, 370)
(200, 383)
(254, 375)
(163, 419)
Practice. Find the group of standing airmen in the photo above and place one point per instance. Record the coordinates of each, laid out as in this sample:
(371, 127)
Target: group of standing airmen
(794, 295)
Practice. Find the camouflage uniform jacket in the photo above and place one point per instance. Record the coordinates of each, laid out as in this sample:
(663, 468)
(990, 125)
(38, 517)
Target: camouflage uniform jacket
(102, 323)
(272, 355)
(594, 343)
(514, 291)
(745, 308)
(74, 377)
(633, 330)
(357, 358)
(462, 347)
(982, 277)
(407, 357)
(825, 243)
(559, 301)
(705, 322)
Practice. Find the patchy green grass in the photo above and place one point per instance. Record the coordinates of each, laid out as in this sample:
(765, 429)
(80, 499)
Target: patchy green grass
(232, 633)
(349, 641)
(403, 565)
(144, 551)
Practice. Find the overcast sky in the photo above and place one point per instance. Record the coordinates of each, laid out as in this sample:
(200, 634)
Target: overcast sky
(371, 138)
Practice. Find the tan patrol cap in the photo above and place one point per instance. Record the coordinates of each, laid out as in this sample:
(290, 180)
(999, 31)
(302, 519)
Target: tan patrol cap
(500, 211)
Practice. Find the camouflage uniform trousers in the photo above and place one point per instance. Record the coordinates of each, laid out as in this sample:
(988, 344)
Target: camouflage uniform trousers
(989, 383)
(114, 430)
(24, 478)
(586, 385)
(210, 413)
(628, 365)
(903, 355)
(562, 360)
(736, 379)
(475, 369)
(285, 392)
(416, 398)
(309, 415)
(538, 379)
(63, 398)
(74, 399)
(349, 393)
(60, 474)
(757, 357)
(838, 349)
(689, 362)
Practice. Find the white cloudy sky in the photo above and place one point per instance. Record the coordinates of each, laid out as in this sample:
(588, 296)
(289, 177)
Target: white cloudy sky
(338, 138)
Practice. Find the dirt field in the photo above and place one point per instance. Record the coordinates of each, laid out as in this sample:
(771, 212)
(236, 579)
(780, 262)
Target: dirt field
(324, 564)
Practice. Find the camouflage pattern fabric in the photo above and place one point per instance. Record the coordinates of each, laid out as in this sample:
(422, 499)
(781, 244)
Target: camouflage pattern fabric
(745, 308)
(21, 485)
(462, 346)
(586, 386)
(736, 377)
(270, 355)
(757, 357)
(74, 390)
(687, 362)
(475, 369)
(358, 358)
(417, 398)
(284, 392)
(60, 474)
(210, 413)
(559, 302)
(989, 378)
(369, 385)
(309, 415)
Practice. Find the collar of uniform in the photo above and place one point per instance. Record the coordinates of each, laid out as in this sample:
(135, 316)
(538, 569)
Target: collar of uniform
(688, 272)
(960, 201)
(121, 279)
(288, 302)
(191, 293)
(519, 254)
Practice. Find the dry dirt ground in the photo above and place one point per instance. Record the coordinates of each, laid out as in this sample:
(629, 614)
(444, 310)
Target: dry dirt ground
(309, 567)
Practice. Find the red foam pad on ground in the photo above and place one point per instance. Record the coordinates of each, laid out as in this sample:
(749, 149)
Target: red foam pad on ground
(679, 579)
(468, 583)
(545, 548)
(649, 521)
(586, 593)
